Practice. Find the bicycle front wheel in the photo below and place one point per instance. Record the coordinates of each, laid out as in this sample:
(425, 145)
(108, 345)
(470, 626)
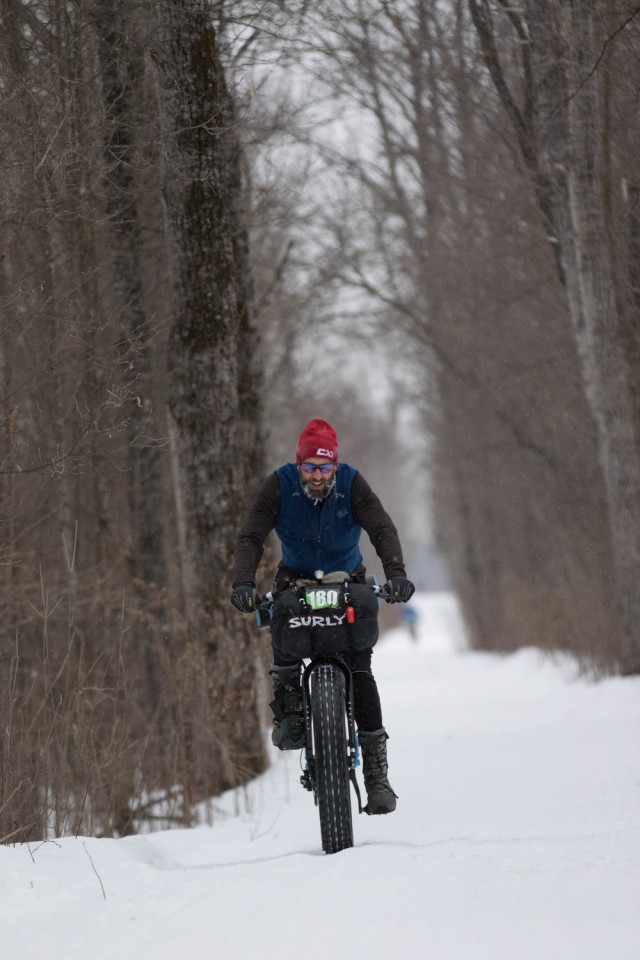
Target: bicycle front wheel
(331, 748)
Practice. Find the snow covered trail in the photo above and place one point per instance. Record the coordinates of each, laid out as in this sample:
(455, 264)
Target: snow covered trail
(517, 836)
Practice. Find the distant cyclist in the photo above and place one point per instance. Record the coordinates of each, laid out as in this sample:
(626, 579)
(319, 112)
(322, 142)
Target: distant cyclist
(409, 619)
(318, 508)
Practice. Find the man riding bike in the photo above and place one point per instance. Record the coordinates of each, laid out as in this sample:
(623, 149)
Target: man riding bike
(318, 508)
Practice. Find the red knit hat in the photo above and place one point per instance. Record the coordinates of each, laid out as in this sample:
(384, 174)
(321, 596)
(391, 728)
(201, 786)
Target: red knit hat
(318, 439)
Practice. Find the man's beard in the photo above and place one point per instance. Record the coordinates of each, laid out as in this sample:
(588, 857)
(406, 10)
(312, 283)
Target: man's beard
(322, 492)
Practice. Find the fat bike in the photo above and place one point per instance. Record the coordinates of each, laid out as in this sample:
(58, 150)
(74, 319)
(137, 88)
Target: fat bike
(330, 755)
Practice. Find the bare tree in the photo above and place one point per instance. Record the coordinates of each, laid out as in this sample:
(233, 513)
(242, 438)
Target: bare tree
(559, 126)
(435, 230)
(113, 702)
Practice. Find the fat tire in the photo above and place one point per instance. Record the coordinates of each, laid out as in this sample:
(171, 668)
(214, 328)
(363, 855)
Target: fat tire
(329, 721)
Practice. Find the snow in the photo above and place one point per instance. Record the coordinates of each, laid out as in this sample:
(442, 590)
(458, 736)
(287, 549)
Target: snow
(517, 836)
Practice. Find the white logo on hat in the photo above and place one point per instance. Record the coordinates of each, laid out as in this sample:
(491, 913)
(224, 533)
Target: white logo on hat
(325, 453)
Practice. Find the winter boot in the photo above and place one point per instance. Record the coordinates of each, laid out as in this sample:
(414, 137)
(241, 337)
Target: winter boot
(380, 796)
(287, 707)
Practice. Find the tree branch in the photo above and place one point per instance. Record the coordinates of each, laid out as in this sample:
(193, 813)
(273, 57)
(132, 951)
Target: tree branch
(481, 17)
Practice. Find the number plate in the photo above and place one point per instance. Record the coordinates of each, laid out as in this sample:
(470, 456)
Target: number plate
(322, 599)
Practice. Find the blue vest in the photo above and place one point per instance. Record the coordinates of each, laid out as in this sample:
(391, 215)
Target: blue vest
(316, 537)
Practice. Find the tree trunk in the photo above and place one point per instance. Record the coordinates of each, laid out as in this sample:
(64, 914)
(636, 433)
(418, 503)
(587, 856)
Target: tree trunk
(214, 385)
(122, 64)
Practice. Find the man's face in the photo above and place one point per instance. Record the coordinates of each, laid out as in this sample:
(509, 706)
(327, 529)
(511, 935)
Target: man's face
(317, 482)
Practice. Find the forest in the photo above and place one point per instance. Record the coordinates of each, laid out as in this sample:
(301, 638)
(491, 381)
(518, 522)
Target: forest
(219, 218)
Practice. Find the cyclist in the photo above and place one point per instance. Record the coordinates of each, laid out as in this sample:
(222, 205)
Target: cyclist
(318, 508)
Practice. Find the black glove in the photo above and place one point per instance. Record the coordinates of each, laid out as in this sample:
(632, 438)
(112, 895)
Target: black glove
(400, 589)
(243, 598)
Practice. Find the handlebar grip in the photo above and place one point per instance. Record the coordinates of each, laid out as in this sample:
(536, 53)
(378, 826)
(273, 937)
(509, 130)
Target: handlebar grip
(263, 612)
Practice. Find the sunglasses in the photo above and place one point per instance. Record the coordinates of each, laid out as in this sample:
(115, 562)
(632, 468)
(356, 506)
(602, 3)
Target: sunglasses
(324, 468)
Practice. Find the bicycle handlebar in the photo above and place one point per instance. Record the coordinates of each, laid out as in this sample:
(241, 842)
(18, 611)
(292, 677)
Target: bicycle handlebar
(266, 600)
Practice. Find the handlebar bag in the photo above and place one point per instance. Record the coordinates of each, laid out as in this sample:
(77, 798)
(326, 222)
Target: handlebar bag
(312, 621)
